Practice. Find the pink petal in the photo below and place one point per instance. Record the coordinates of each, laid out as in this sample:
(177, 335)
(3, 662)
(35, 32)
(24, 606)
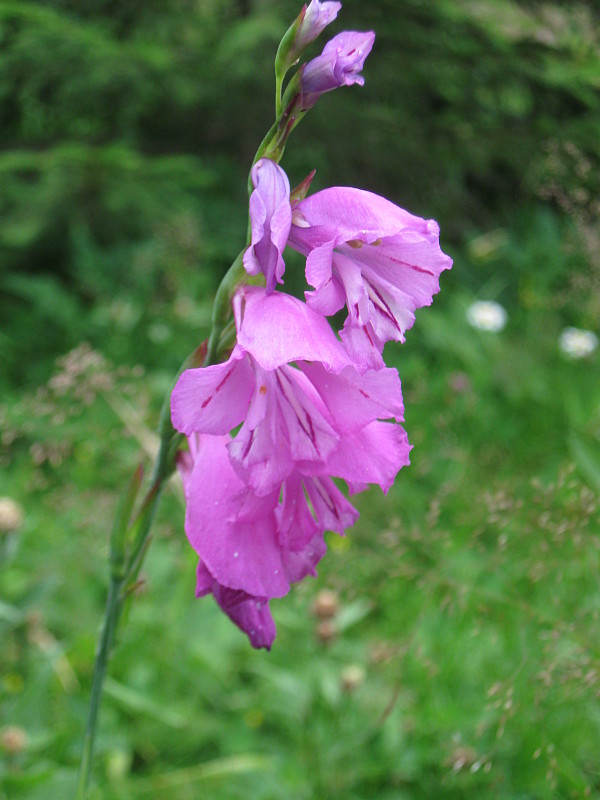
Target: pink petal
(332, 509)
(287, 425)
(302, 334)
(373, 455)
(270, 218)
(301, 536)
(213, 399)
(354, 399)
(233, 531)
(251, 614)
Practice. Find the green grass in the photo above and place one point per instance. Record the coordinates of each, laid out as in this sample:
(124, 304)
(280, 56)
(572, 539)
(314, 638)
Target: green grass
(463, 660)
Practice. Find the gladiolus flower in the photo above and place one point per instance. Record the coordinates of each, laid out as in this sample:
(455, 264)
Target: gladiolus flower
(373, 256)
(252, 548)
(320, 417)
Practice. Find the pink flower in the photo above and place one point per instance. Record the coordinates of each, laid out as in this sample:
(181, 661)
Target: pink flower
(308, 26)
(339, 64)
(252, 548)
(312, 418)
(270, 217)
(373, 256)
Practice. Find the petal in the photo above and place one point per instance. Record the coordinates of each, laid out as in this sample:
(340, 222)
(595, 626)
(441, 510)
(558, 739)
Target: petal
(270, 218)
(318, 265)
(350, 214)
(260, 452)
(287, 425)
(311, 434)
(333, 510)
(251, 614)
(204, 580)
(258, 217)
(302, 334)
(213, 399)
(327, 300)
(362, 344)
(373, 455)
(300, 535)
(354, 399)
(233, 531)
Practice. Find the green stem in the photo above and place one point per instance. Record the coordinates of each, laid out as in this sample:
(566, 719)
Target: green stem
(234, 277)
(278, 85)
(114, 605)
(125, 569)
(120, 582)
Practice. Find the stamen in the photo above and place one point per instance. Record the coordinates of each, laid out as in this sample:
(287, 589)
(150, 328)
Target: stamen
(299, 220)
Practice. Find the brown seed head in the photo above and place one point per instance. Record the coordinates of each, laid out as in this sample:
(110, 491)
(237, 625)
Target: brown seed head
(13, 739)
(11, 515)
(326, 604)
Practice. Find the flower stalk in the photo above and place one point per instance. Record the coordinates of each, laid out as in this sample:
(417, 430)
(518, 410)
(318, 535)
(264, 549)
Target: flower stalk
(124, 568)
(329, 416)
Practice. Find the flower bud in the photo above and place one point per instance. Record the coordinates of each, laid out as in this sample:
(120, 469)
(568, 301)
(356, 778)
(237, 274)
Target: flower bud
(339, 64)
(309, 24)
(271, 219)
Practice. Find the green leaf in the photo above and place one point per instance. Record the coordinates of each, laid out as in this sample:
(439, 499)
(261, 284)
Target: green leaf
(587, 459)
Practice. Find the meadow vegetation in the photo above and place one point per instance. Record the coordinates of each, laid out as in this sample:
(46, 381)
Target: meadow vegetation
(449, 646)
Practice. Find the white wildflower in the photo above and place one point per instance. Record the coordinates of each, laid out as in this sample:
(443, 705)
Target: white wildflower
(577, 343)
(487, 315)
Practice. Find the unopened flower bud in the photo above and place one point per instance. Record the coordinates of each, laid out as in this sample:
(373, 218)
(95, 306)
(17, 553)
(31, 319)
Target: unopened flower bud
(271, 218)
(11, 515)
(309, 24)
(339, 64)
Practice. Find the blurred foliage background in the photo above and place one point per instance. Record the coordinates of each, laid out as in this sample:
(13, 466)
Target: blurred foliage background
(461, 656)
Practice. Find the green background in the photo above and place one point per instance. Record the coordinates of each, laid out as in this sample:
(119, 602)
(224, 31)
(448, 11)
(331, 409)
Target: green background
(463, 658)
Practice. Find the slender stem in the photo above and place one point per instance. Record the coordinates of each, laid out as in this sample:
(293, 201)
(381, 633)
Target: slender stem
(120, 581)
(114, 605)
(278, 85)
(124, 573)
(233, 278)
